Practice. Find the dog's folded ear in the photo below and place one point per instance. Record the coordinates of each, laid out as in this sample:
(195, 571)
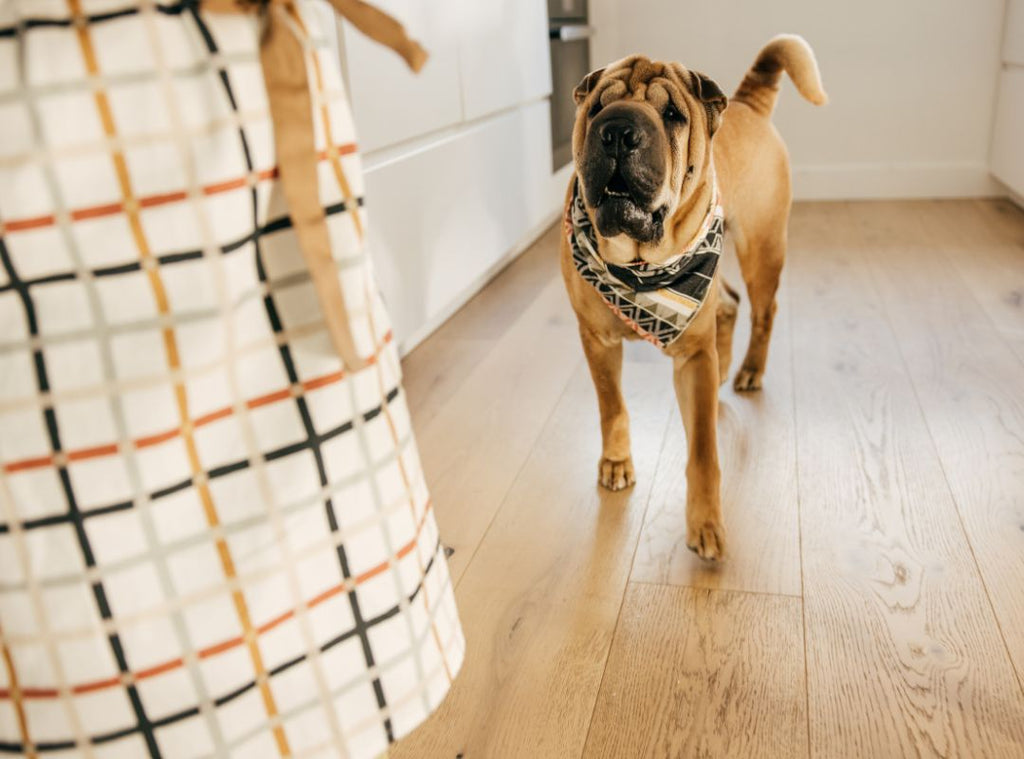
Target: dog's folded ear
(584, 87)
(710, 94)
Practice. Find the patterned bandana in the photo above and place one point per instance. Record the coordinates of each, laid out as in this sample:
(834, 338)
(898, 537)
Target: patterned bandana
(657, 301)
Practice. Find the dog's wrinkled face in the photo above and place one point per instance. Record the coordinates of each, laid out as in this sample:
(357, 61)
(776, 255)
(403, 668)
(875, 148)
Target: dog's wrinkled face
(642, 143)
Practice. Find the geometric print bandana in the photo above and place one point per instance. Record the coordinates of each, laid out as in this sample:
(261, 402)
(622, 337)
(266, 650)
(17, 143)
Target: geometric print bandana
(658, 302)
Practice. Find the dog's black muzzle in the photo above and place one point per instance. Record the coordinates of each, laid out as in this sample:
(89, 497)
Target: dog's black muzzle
(622, 170)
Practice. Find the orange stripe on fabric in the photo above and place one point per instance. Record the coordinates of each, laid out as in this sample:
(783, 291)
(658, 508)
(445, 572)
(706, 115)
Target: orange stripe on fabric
(33, 463)
(35, 692)
(230, 643)
(93, 212)
(16, 696)
(151, 201)
(98, 685)
(174, 363)
(19, 225)
(91, 453)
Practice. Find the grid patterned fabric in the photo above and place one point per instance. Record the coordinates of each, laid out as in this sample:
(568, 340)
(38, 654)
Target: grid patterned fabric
(214, 541)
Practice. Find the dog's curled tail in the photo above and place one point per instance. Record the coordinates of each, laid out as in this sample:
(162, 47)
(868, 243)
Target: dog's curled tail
(760, 87)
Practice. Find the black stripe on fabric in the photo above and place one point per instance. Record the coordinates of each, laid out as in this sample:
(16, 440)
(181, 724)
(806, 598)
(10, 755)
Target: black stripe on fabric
(282, 222)
(220, 471)
(7, 747)
(112, 271)
(307, 421)
(274, 225)
(25, 24)
(75, 515)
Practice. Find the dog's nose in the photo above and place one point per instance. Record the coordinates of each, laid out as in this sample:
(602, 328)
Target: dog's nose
(620, 137)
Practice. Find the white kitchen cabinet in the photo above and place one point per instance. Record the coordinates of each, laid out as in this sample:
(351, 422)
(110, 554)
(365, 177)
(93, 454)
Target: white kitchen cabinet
(503, 53)
(392, 104)
(443, 218)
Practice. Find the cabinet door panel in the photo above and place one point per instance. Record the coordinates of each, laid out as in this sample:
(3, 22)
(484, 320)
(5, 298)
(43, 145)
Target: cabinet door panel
(503, 51)
(392, 104)
(440, 218)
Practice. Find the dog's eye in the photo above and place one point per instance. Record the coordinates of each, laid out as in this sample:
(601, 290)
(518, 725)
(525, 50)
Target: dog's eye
(595, 109)
(671, 113)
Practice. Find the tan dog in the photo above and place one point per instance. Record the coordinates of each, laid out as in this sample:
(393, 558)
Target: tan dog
(649, 140)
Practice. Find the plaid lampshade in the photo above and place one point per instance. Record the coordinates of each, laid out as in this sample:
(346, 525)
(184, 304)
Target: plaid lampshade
(214, 539)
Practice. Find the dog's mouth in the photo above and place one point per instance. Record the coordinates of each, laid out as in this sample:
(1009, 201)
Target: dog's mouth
(619, 211)
(617, 188)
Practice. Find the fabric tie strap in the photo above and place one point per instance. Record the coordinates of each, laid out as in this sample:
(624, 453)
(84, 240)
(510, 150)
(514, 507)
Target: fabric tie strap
(283, 58)
(658, 302)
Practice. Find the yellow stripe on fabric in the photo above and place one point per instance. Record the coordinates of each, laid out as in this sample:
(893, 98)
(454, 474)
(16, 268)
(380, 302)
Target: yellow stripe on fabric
(19, 706)
(332, 150)
(151, 266)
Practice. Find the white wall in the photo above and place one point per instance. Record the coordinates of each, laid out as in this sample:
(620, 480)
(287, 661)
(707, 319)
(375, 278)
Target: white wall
(457, 160)
(911, 82)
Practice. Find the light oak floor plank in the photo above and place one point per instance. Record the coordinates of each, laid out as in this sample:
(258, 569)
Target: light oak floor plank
(700, 673)
(473, 447)
(904, 655)
(970, 387)
(540, 599)
(983, 241)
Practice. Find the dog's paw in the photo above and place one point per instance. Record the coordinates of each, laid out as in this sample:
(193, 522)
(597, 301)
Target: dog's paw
(747, 380)
(707, 541)
(616, 475)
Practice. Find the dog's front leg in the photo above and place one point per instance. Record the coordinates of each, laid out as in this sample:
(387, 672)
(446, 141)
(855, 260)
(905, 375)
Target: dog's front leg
(696, 383)
(604, 355)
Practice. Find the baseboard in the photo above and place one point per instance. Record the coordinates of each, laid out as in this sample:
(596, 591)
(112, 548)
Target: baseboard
(877, 181)
(406, 345)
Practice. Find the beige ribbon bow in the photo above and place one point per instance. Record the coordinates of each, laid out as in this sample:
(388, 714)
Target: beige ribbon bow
(282, 54)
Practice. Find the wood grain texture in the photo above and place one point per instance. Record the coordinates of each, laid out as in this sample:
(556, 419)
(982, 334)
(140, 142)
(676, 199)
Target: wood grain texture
(698, 673)
(473, 447)
(540, 599)
(984, 242)
(970, 387)
(434, 372)
(904, 656)
(757, 447)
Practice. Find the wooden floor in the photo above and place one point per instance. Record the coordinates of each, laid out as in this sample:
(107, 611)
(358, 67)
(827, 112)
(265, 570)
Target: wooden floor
(872, 604)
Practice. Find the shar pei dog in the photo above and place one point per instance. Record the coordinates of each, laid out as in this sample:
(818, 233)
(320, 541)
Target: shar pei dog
(665, 163)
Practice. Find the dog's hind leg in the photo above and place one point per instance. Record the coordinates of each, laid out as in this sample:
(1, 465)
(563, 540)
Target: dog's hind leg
(761, 260)
(604, 356)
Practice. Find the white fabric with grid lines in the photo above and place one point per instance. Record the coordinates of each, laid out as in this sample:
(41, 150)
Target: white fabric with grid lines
(213, 540)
